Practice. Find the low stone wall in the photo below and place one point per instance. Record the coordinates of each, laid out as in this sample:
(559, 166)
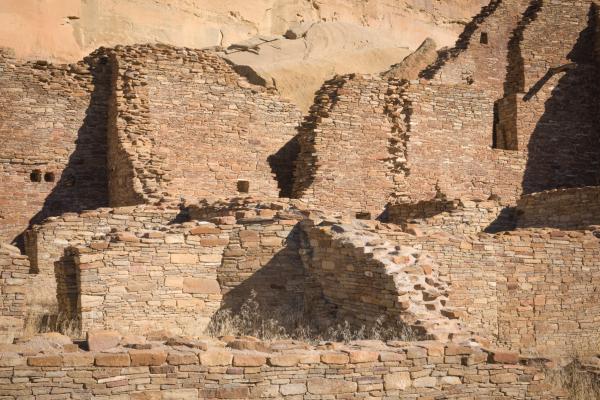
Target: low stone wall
(45, 243)
(288, 370)
(262, 261)
(531, 290)
(368, 279)
(246, 248)
(157, 280)
(575, 208)
(14, 274)
(456, 216)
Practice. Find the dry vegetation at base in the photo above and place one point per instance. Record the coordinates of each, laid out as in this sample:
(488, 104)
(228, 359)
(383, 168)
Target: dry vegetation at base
(576, 381)
(293, 324)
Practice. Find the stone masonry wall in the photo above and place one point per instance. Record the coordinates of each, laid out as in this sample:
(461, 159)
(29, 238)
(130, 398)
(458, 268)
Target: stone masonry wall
(368, 278)
(557, 110)
(52, 130)
(161, 280)
(577, 208)
(535, 288)
(257, 247)
(346, 147)
(14, 273)
(422, 370)
(170, 99)
(262, 257)
(481, 55)
(45, 243)
(449, 147)
(456, 216)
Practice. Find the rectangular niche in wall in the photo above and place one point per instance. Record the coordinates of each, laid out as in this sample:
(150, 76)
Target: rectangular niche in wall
(243, 186)
(483, 39)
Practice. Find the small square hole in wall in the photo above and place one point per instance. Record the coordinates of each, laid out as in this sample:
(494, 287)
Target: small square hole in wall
(363, 215)
(243, 186)
(35, 176)
(49, 177)
(483, 39)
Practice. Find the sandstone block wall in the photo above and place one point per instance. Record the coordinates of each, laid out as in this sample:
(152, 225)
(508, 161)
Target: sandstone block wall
(52, 158)
(556, 119)
(456, 216)
(449, 147)
(187, 124)
(14, 274)
(45, 244)
(501, 114)
(481, 55)
(161, 280)
(368, 279)
(422, 370)
(262, 257)
(255, 248)
(576, 208)
(346, 147)
(535, 288)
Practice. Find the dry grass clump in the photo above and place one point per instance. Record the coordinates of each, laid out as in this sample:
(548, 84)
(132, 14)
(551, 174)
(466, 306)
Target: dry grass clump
(573, 378)
(41, 319)
(292, 323)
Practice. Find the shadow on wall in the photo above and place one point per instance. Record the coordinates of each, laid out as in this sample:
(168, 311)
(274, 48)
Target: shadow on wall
(305, 165)
(274, 291)
(515, 73)
(282, 165)
(83, 183)
(564, 146)
(462, 43)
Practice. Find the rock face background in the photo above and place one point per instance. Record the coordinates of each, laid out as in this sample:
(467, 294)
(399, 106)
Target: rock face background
(331, 36)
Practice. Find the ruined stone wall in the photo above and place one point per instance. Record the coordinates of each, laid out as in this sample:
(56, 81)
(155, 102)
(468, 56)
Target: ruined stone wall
(532, 289)
(456, 216)
(557, 107)
(262, 261)
(188, 125)
(259, 249)
(449, 146)
(345, 161)
(423, 370)
(14, 273)
(368, 279)
(45, 243)
(52, 130)
(161, 280)
(576, 208)
(481, 54)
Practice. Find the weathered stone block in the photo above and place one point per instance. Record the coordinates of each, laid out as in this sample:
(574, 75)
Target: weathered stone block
(201, 285)
(331, 386)
(147, 357)
(183, 258)
(397, 380)
(249, 360)
(99, 340)
(335, 358)
(112, 360)
(215, 357)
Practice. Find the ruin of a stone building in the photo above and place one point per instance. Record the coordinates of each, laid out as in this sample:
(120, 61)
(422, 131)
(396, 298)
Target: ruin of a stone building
(149, 188)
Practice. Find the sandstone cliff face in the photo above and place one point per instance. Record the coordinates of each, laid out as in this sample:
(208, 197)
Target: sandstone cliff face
(337, 37)
(66, 30)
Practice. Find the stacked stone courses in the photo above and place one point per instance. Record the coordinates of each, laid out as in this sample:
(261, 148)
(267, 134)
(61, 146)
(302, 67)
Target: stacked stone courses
(283, 370)
(166, 100)
(14, 276)
(153, 190)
